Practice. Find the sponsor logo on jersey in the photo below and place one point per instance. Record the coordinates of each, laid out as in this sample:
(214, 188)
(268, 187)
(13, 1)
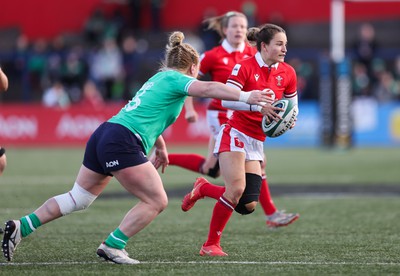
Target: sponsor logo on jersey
(236, 69)
(225, 60)
(256, 76)
(112, 164)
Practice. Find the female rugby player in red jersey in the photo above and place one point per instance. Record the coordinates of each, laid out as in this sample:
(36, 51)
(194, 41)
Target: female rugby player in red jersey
(239, 144)
(218, 62)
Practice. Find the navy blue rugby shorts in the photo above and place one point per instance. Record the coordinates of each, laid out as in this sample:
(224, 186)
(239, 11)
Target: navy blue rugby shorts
(113, 147)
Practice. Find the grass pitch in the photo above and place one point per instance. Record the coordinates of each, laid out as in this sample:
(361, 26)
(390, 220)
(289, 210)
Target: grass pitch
(335, 235)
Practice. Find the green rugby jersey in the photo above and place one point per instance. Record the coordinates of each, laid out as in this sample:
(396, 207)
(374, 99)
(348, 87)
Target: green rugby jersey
(155, 106)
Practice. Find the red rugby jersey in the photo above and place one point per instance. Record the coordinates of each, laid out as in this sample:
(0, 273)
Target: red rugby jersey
(219, 61)
(254, 74)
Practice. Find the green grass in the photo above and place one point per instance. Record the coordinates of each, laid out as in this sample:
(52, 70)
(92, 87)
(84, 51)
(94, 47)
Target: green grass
(350, 235)
(284, 166)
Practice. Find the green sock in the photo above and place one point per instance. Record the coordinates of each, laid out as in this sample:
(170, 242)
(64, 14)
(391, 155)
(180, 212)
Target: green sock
(116, 239)
(29, 224)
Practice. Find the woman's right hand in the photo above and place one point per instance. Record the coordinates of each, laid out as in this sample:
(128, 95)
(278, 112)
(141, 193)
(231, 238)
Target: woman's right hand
(271, 112)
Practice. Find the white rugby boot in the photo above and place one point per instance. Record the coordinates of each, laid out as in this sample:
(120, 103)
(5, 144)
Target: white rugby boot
(117, 256)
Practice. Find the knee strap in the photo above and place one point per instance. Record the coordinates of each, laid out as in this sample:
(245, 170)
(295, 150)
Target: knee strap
(214, 172)
(75, 200)
(250, 194)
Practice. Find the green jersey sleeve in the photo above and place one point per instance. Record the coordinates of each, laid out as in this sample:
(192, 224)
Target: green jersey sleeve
(155, 106)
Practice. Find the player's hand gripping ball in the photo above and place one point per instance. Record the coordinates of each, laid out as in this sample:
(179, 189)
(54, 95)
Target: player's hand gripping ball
(274, 129)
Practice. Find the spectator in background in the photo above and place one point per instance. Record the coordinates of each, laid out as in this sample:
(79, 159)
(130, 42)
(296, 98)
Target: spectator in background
(74, 73)
(94, 27)
(91, 96)
(210, 37)
(131, 59)
(194, 39)
(56, 96)
(386, 89)
(304, 72)
(277, 18)
(396, 68)
(115, 25)
(155, 9)
(55, 58)
(396, 73)
(137, 8)
(20, 62)
(37, 66)
(249, 9)
(365, 48)
(107, 68)
(361, 80)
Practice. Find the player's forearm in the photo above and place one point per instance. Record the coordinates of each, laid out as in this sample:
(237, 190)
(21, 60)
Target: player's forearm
(160, 143)
(212, 89)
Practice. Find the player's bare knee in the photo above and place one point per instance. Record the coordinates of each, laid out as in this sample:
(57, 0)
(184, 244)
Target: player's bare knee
(75, 200)
(251, 206)
(163, 204)
(160, 203)
(236, 195)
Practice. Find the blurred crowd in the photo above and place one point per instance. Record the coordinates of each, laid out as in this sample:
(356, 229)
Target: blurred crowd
(373, 76)
(110, 60)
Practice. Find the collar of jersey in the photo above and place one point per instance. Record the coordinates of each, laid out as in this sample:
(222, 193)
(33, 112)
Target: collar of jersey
(261, 62)
(228, 47)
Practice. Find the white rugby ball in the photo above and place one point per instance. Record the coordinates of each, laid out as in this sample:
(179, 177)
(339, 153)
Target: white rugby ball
(288, 115)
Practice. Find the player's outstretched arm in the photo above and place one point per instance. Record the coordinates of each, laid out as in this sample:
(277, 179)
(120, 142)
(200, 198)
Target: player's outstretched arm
(212, 89)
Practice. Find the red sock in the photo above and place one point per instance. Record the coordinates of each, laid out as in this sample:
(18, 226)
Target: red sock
(212, 190)
(265, 198)
(189, 161)
(222, 212)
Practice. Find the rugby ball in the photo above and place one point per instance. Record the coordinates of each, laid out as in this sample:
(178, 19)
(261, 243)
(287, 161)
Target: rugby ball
(288, 115)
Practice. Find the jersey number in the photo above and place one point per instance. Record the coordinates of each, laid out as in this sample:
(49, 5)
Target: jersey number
(135, 102)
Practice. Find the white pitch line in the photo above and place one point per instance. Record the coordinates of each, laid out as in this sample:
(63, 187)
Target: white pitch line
(208, 262)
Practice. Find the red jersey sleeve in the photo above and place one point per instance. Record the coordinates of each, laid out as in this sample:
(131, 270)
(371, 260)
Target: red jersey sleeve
(205, 63)
(291, 88)
(238, 76)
